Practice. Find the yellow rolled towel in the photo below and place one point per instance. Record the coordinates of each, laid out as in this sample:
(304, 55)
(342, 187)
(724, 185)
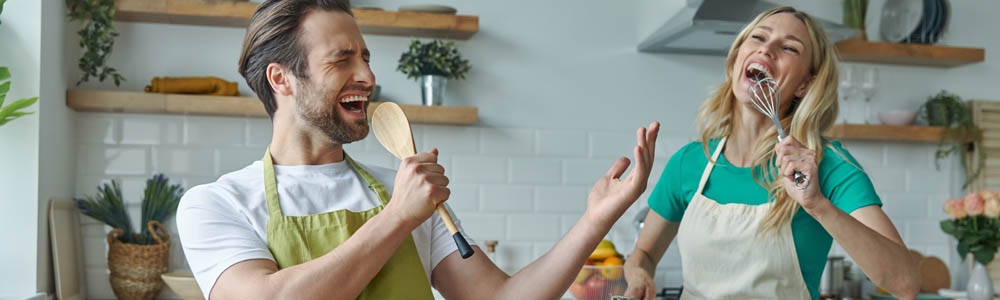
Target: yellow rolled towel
(193, 85)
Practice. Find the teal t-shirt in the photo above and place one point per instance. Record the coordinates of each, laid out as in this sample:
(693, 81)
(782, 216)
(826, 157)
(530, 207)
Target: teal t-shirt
(846, 185)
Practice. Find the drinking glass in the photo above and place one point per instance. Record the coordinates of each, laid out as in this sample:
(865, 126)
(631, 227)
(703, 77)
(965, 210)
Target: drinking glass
(848, 88)
(869, 88)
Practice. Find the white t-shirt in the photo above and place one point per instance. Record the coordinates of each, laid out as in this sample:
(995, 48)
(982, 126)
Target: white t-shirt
(225, 222)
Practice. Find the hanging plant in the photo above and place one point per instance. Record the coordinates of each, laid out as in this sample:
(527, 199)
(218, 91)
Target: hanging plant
(97, 37)
(960, 134)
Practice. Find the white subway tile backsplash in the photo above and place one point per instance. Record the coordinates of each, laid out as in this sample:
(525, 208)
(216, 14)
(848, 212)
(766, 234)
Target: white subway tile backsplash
(563, 143)
(887, 179)
(483, 227)
(508, 141)
(133, 189)
(585, 171)
(927, 181)
(184, 161)
(505, 199)
(905, 206)
(513, 256)
(215, 131)
(97, 160)
(96, 128)
(535, 170)
(189, 182)
(533, 227)
(478, 169)
(925, 231)
(152, 130)
(871, 155)
(95, 251)
(540, 248)
(232, 159)
(915, 156)
(451, 140)
(86, 185)
(612, 144)
(464, 197)
(561, 199)
(259, 132)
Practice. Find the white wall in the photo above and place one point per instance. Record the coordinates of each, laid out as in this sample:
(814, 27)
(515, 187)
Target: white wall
(56, 150)
(560, 89)
(20, 33)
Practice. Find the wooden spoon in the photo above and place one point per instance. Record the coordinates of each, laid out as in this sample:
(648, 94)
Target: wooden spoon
(393, 131)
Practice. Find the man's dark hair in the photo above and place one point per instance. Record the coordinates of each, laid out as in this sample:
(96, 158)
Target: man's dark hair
(273, 37)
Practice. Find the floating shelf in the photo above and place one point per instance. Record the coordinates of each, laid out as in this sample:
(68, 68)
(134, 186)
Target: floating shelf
(154, 103)
(854, 50)
(886, 133)
(237, 14)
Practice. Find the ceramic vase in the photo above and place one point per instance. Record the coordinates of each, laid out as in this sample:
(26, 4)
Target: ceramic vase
(980, 286)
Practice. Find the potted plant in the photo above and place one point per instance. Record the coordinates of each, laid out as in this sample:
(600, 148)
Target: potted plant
(11, 111)
(433, 64)
(974, 223)
(854, 16)
(136, 260)
(960, 133)
(97, 38)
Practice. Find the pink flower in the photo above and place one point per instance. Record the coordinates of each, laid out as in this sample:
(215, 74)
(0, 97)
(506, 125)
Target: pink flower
(955, 208)
(992, 207)
(987, 194)
(974, 204)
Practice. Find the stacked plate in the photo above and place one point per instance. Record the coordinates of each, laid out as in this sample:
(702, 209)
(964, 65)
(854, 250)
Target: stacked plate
(908, 21)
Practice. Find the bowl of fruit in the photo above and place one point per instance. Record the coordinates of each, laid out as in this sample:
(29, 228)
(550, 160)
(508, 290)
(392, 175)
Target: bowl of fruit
(602, 276)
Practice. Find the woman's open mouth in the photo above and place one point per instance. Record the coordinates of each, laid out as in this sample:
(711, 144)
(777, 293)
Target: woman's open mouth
(354, 103)
(757, 72)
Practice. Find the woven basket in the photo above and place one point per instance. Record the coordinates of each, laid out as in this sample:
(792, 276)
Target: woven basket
(136, 269)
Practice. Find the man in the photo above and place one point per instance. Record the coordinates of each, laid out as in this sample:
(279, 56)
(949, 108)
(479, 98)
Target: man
(307, 222)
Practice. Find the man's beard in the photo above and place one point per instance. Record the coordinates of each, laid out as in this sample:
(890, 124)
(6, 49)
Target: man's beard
(319, 108)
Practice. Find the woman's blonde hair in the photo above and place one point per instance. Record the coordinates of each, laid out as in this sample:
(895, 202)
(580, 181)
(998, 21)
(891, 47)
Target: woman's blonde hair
(807, 118)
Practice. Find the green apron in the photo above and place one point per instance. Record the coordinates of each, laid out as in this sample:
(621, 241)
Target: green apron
(295, 240)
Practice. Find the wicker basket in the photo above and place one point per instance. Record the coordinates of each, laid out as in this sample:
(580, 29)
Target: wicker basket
(136, 269)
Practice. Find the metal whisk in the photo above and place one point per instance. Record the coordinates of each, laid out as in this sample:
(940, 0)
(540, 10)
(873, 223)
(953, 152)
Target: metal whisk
(765, 97)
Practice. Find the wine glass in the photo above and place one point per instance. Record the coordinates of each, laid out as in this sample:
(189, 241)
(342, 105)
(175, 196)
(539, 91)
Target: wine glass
(848, 88)
(868, 88)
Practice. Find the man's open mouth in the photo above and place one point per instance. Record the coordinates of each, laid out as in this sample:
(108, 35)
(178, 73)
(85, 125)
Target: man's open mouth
(354, 103)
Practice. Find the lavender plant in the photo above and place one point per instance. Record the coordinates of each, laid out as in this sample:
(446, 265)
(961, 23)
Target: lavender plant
(159, 202)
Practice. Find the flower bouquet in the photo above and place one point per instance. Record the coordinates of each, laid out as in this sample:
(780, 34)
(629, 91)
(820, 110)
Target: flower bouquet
(974, 223)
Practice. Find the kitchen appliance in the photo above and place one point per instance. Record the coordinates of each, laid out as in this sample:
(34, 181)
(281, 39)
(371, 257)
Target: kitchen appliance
(764, 96)
(710, 26)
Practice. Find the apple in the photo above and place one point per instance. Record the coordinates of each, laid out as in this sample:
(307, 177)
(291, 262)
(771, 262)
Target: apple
(578, 290)
(594, 288)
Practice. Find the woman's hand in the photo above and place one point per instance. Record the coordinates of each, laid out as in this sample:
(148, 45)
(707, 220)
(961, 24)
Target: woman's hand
(612, 195)
(640, 283)
(792, 156)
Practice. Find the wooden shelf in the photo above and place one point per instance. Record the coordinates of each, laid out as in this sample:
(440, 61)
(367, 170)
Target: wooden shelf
(153, 103)
(886, 133)
(237, 14)
(854, 50)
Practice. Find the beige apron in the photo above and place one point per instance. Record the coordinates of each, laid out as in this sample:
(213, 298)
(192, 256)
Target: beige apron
(723, 257)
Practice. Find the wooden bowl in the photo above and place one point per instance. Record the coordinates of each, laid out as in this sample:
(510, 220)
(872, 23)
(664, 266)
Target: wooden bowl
(184, 285)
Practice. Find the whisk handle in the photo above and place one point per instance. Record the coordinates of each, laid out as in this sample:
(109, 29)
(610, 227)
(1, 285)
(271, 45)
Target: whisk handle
(801, 182)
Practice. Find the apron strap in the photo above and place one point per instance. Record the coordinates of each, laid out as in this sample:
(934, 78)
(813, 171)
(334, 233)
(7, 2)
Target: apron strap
(373, 184)
(271, 184)
(711, 164)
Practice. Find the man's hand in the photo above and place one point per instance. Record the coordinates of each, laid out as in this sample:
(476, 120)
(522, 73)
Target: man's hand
(420, 186)
(611, 196)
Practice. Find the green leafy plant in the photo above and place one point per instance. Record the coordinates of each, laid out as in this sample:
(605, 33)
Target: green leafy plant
(959, 135)
(12, 111)
(1, 7)
(433, 58)
(97, 37)
(159, 202)
(854, 13)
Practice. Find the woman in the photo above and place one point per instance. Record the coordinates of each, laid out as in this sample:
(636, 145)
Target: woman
(748, 232)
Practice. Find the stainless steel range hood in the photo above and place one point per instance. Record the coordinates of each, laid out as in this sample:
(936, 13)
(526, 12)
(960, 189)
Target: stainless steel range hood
(710, 26)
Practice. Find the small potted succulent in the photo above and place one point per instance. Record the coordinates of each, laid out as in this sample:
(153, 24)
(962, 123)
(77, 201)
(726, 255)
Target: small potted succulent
(433, 64)
(136, 260)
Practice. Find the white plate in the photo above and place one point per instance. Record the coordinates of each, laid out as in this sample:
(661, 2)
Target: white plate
(900, 18)
(429, 8)
(873, 16)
